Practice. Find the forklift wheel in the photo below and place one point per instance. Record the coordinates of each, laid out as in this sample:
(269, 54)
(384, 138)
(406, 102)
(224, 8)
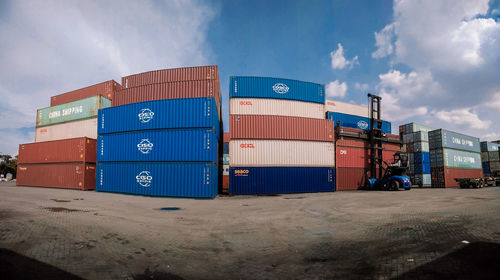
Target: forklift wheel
(395, 185)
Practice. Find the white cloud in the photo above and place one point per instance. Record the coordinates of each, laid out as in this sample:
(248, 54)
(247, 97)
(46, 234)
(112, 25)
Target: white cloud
(463, 117)
(383, 41)
(494, 102)
(493, 136)
(361, 87)
(339, 61)
(57, 46)
(336, 89)
(392, 110)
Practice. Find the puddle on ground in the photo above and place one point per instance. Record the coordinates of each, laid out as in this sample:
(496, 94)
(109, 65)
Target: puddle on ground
(62, 209)
(298, 197)
(169, 209)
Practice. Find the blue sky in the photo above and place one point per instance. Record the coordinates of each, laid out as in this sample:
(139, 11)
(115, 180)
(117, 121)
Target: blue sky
(433, 62)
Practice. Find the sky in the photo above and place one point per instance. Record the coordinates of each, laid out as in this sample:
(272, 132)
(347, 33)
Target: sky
(432, 62)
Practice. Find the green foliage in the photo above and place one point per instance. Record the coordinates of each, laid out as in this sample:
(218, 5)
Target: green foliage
(8, 164)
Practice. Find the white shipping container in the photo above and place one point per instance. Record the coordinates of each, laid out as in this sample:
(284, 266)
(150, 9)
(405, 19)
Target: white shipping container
(258, 153)
(83, 128)
(225, 170)
(276, 107)
(346, 108)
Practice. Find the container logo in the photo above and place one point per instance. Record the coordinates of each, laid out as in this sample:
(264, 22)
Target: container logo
(248, 103)
(244, 146)
(280, 88)
(144, 179)
(362, 124)
(241, 172)
(146, 115)
(343, 152)
(145, 146)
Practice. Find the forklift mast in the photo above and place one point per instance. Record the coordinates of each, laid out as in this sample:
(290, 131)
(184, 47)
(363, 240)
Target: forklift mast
(375, 137)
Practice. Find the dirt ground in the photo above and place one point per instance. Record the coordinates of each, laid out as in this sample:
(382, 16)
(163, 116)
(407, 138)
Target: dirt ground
(417, 234)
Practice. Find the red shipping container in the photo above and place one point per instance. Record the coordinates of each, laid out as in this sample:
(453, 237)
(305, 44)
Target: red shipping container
(391, 147)
(189, 89)
(350, 178)
(352, 157)
(57, 175)
(402, 129)
(352, 142)
(226, 137)
(106, 89)
(443, 177)
(225, 182)
(171, 75)
(280, 127)
(67, 150)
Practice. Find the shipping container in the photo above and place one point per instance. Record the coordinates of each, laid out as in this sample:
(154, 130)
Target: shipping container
(72, 111)
(225, 182)
(225, 148)
(489, 147)
(423, 180)
(280, 127)
(402, 129)
(358, 122)
(225, 170)
(174, 90)
(261, 153)
(422, 168)
(346, 108)
(421, 157)
(57, 175)
(495, 166)
(67, 150)
(351, 142)
(75, 129)
(198, 180)
(349, 178)
(445, 177)
(455, 159)
(226, 137)
(441, 138)
(276, 88)
(415, 127)
(276, 107)
(273, 180)
(486, 169)
(106, 89)
(159, 145)
(485, 157)
(352, 157)
(225, 159)
(493, 156)
(421, 147)
(159, 114)
(171, 75)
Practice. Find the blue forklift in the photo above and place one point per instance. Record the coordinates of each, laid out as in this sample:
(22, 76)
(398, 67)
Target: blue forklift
(391, 176)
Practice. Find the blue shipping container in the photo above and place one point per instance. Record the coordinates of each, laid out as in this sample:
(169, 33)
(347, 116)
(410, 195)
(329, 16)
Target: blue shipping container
(486, 168)
(198, 180)
(272, 180)
(422, 168)
(489, 147)
(421, 157)
(159, 145)
(159, 114)
(225, 148)
(276, 88)
(353, 121)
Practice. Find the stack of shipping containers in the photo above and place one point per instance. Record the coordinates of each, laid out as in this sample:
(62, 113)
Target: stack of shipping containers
(161, 137)
(415, 138)
(352, 147)
(453, 155)
(490, 156)
(225, 163)
(280, 140)
(68, 126)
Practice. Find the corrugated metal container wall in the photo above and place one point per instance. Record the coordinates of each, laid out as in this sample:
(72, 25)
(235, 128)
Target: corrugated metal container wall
(358, 122)
(225, 159)
(159, 145)
(226, 137)
(280, 127)
(276, 88)
(495, 166)
(486, 169)
(57, 175)
(445, 177)
(68, 150)
(75, 129)
(225, 148)
(489, 147)
(225, 170)
(415, 127)
(171, 75)
(493, 156)
(346, 108)
(348, 178)
(455, 159)
(422, 157)
(260, 153)
(352, 142)
(485, 157)
(441, 138)
(106, 89)
(174, 90)
(172, 113)
(276, 107)
(77, 110)
(158, 179)
(271, 180)
(352, 157)
(422, 180)
(225, 182)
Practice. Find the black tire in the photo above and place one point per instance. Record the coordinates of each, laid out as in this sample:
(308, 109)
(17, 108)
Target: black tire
(394, 185)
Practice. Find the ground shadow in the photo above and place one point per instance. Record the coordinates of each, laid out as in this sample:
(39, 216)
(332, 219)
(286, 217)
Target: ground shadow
(16, 266)
(479, 260)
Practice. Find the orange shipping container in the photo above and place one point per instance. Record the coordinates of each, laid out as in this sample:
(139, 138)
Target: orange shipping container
(171, 75)
(67, 150)
(57, 175)
(280, 127)
(106, 89)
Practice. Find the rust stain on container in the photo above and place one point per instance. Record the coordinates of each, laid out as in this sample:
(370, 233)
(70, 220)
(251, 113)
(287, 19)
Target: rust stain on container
(67, 150)
(280, 127)
(57, 175)
(171, 75)
(106, 89)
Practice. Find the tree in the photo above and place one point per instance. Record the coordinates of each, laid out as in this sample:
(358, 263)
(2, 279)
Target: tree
(8, 165)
